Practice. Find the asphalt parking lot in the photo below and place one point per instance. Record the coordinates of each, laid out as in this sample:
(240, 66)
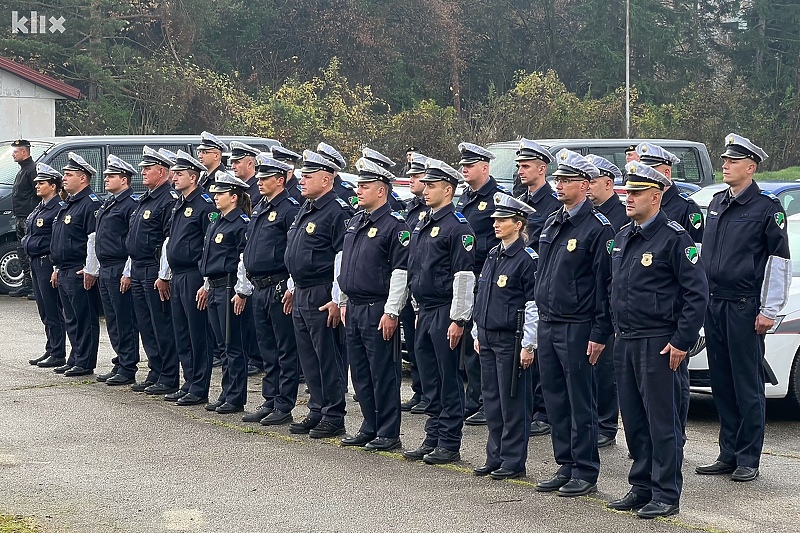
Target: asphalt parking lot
(79, 456)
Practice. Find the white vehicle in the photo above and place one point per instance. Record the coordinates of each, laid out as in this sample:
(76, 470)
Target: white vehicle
(782, 344)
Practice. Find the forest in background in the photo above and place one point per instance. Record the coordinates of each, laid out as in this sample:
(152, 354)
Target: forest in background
(389, 73)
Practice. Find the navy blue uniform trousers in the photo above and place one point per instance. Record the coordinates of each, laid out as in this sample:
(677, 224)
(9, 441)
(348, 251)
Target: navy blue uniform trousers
(49, 305)
(281, 364)
(190, 325)
(318, 353)
(734, 353)
(607, 403)
(653, 404)
(81, 317)
(472, 369)
(539, 409)
(376, 373)
(407, 319)
(568, 384)
(441, 380)
(234, 360)
(120, 320)
(154, 321)
(508, 419)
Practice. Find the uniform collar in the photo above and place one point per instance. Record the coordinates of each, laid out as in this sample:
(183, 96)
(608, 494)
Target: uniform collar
(540, 192)
(194, 194)
(744, 196)
(124, 194)
(579, 212)
(277, 199)
(515, 247)
(86, 191)
(161, 189)
(320, 202)
(378, 213)
(440, 214)
(52, 202)
(669, 195)
(609, 204)
(651, 226)
(234, 214)
(415, 201)
(486, 188)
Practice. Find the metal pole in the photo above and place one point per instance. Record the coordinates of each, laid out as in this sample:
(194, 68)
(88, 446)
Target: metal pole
(628, 69)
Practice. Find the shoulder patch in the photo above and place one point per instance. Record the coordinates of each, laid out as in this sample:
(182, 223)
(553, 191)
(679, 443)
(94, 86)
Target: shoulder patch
(461, 218)
(94, 197)
(207, 198)
(531, 253)
(677, 227)
(602, 218)
(135, 197)
(396, 196)
(555, 195)
(398, 216)
(770, 196)
(683, 195)
(245, 217)
(503, 189)
(173, 193)
(293, 201)
(342, 203)
(346, 184)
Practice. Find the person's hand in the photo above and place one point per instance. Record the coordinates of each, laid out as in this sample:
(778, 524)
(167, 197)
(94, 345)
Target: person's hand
(162, 286)
(525, 358)
(476, 346)
(333, 314)
(54, 279)
(124, 284)
(201, 298)
(763, 324)
(287, 302)
(238, 304)
(454, 334)
(594, 350)
(387, 325)
(88, 280)
(675, 356)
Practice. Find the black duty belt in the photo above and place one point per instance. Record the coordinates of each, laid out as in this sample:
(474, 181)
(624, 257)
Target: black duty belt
(218, 282)
(265, 282)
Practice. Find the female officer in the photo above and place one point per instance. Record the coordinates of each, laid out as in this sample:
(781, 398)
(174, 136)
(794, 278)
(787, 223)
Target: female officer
(222, 247)
(38, 233)
(506, 285)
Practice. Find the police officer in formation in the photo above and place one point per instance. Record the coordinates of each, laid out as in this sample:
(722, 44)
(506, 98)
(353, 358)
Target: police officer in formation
(505, 288)
(441, 279)
(746, 254)
(342, 188)
(38, 236)
(314, 241)
(225, 291)
(606, 201)
(532, 160)
(375, 248)
(149, 228)
(675, 204)
(266, 269)
(110, 258)
(209, 153)
(73, 230)
(574, 324)
(659, 294)
(395, 202)
(477, 205)
(287, 157)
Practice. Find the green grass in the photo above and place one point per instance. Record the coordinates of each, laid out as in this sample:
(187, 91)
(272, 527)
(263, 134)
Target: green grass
(786, 174)
(17, 524)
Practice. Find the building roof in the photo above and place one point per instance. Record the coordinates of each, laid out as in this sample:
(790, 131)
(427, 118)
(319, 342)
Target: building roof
(42, 80)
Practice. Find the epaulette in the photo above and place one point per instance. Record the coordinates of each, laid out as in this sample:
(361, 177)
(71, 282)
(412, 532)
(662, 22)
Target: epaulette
(531, 253)
(346, 184)
(135, 197)
(683, 195)
(94, 197)
(461, 218)
(292, 200)
(677, 227)
(174, 194)
(555, 195)
(207, 198)
(396, 196)
(503, 189)
(62, 203)
(245, 217)
(342, 203)
(771, 196)
(398, 216)
(602, 218)
(299, 188)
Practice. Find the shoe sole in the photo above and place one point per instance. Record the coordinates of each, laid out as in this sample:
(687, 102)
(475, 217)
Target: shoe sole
(326, 435)
(437, 462)
(651, 517)
(287, 420)
(118, 384)
(390, 448)
(516, 475)
(576, 494)
(744, 479)
(185, 404)
(720, 473)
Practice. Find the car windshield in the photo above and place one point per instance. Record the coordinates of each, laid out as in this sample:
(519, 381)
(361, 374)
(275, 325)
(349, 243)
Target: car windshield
(8, 167)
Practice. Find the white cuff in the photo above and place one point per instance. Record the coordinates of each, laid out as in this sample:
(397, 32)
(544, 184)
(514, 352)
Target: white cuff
(529, 330)
(92, 264)
(243, 285)
(463, 296)
(126, 270)
(775, 290)
(398, 292)
(164, 271)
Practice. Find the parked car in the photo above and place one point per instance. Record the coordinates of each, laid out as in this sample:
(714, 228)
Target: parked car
(788, 192)
(94, 149)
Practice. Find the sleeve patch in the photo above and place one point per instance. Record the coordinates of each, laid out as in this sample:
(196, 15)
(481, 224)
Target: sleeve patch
(675, 226)
(602, 218)
(207, 198)
(461, 218)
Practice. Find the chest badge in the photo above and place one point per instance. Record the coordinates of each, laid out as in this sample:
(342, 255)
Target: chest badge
(67, 219)
(272, 216)
(572, 244)
(188, 212)
(310, 227)
(146, 214)
(372, 232)
(421, 215)
(218, 238)
(435, 231)
(502, 280)
(482, 206)
(647, 259)
(39, 222)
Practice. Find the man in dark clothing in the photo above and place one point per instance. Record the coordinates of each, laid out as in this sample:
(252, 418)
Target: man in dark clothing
(24, 200)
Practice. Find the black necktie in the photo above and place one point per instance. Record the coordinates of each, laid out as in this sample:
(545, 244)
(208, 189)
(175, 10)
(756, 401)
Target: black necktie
(636, 229)
(564, 216)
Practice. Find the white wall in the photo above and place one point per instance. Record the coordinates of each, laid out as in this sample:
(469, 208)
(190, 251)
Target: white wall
(26, 110)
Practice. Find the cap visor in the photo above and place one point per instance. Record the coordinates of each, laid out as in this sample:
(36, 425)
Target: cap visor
(504, 214)
(215, 188)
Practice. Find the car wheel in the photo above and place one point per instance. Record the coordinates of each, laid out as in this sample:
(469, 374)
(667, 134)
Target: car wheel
(793, 394)
(10, 267)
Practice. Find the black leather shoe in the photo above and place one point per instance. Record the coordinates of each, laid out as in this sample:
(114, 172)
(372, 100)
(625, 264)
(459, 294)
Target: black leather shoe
(656, 509)
(505, 473)
(629, 502)
(303, 427)
(442, 456)
(37, 360)
(51, 362)
(191, 399)
(175, 396)
(552, 484)
(359, 439)
(141, 386)
(258, 414)
(102, 378)
(383, 444)
(419, 453)
(61, 369)
(228, 408)
(744, 473)
(159, 389)
(78, 371)
(253, 370)
(325, 430)
(276, 418)
(118, 379)
(577, 487)
(212, 406)
(407, 405)
(539, 428)
(605, 440)
(216, 362)
(478, 419)
(419, 409)
(715, 468)
(484, 470)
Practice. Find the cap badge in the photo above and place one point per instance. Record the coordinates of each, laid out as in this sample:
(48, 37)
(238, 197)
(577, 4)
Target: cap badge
(272, 216)
(404, 237)
(692, 255)
(146, 214)
(647, 259)
(435, 231)
(572, 244)
(468, 241)
(188, 212)
(39, 222)
(218, 238)
(644, 148)
(310, 227)
(502, 280)
(729, 140)
(67, 219)
(633, 169)
(372, 232)
(563, 156)
(482, 206)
